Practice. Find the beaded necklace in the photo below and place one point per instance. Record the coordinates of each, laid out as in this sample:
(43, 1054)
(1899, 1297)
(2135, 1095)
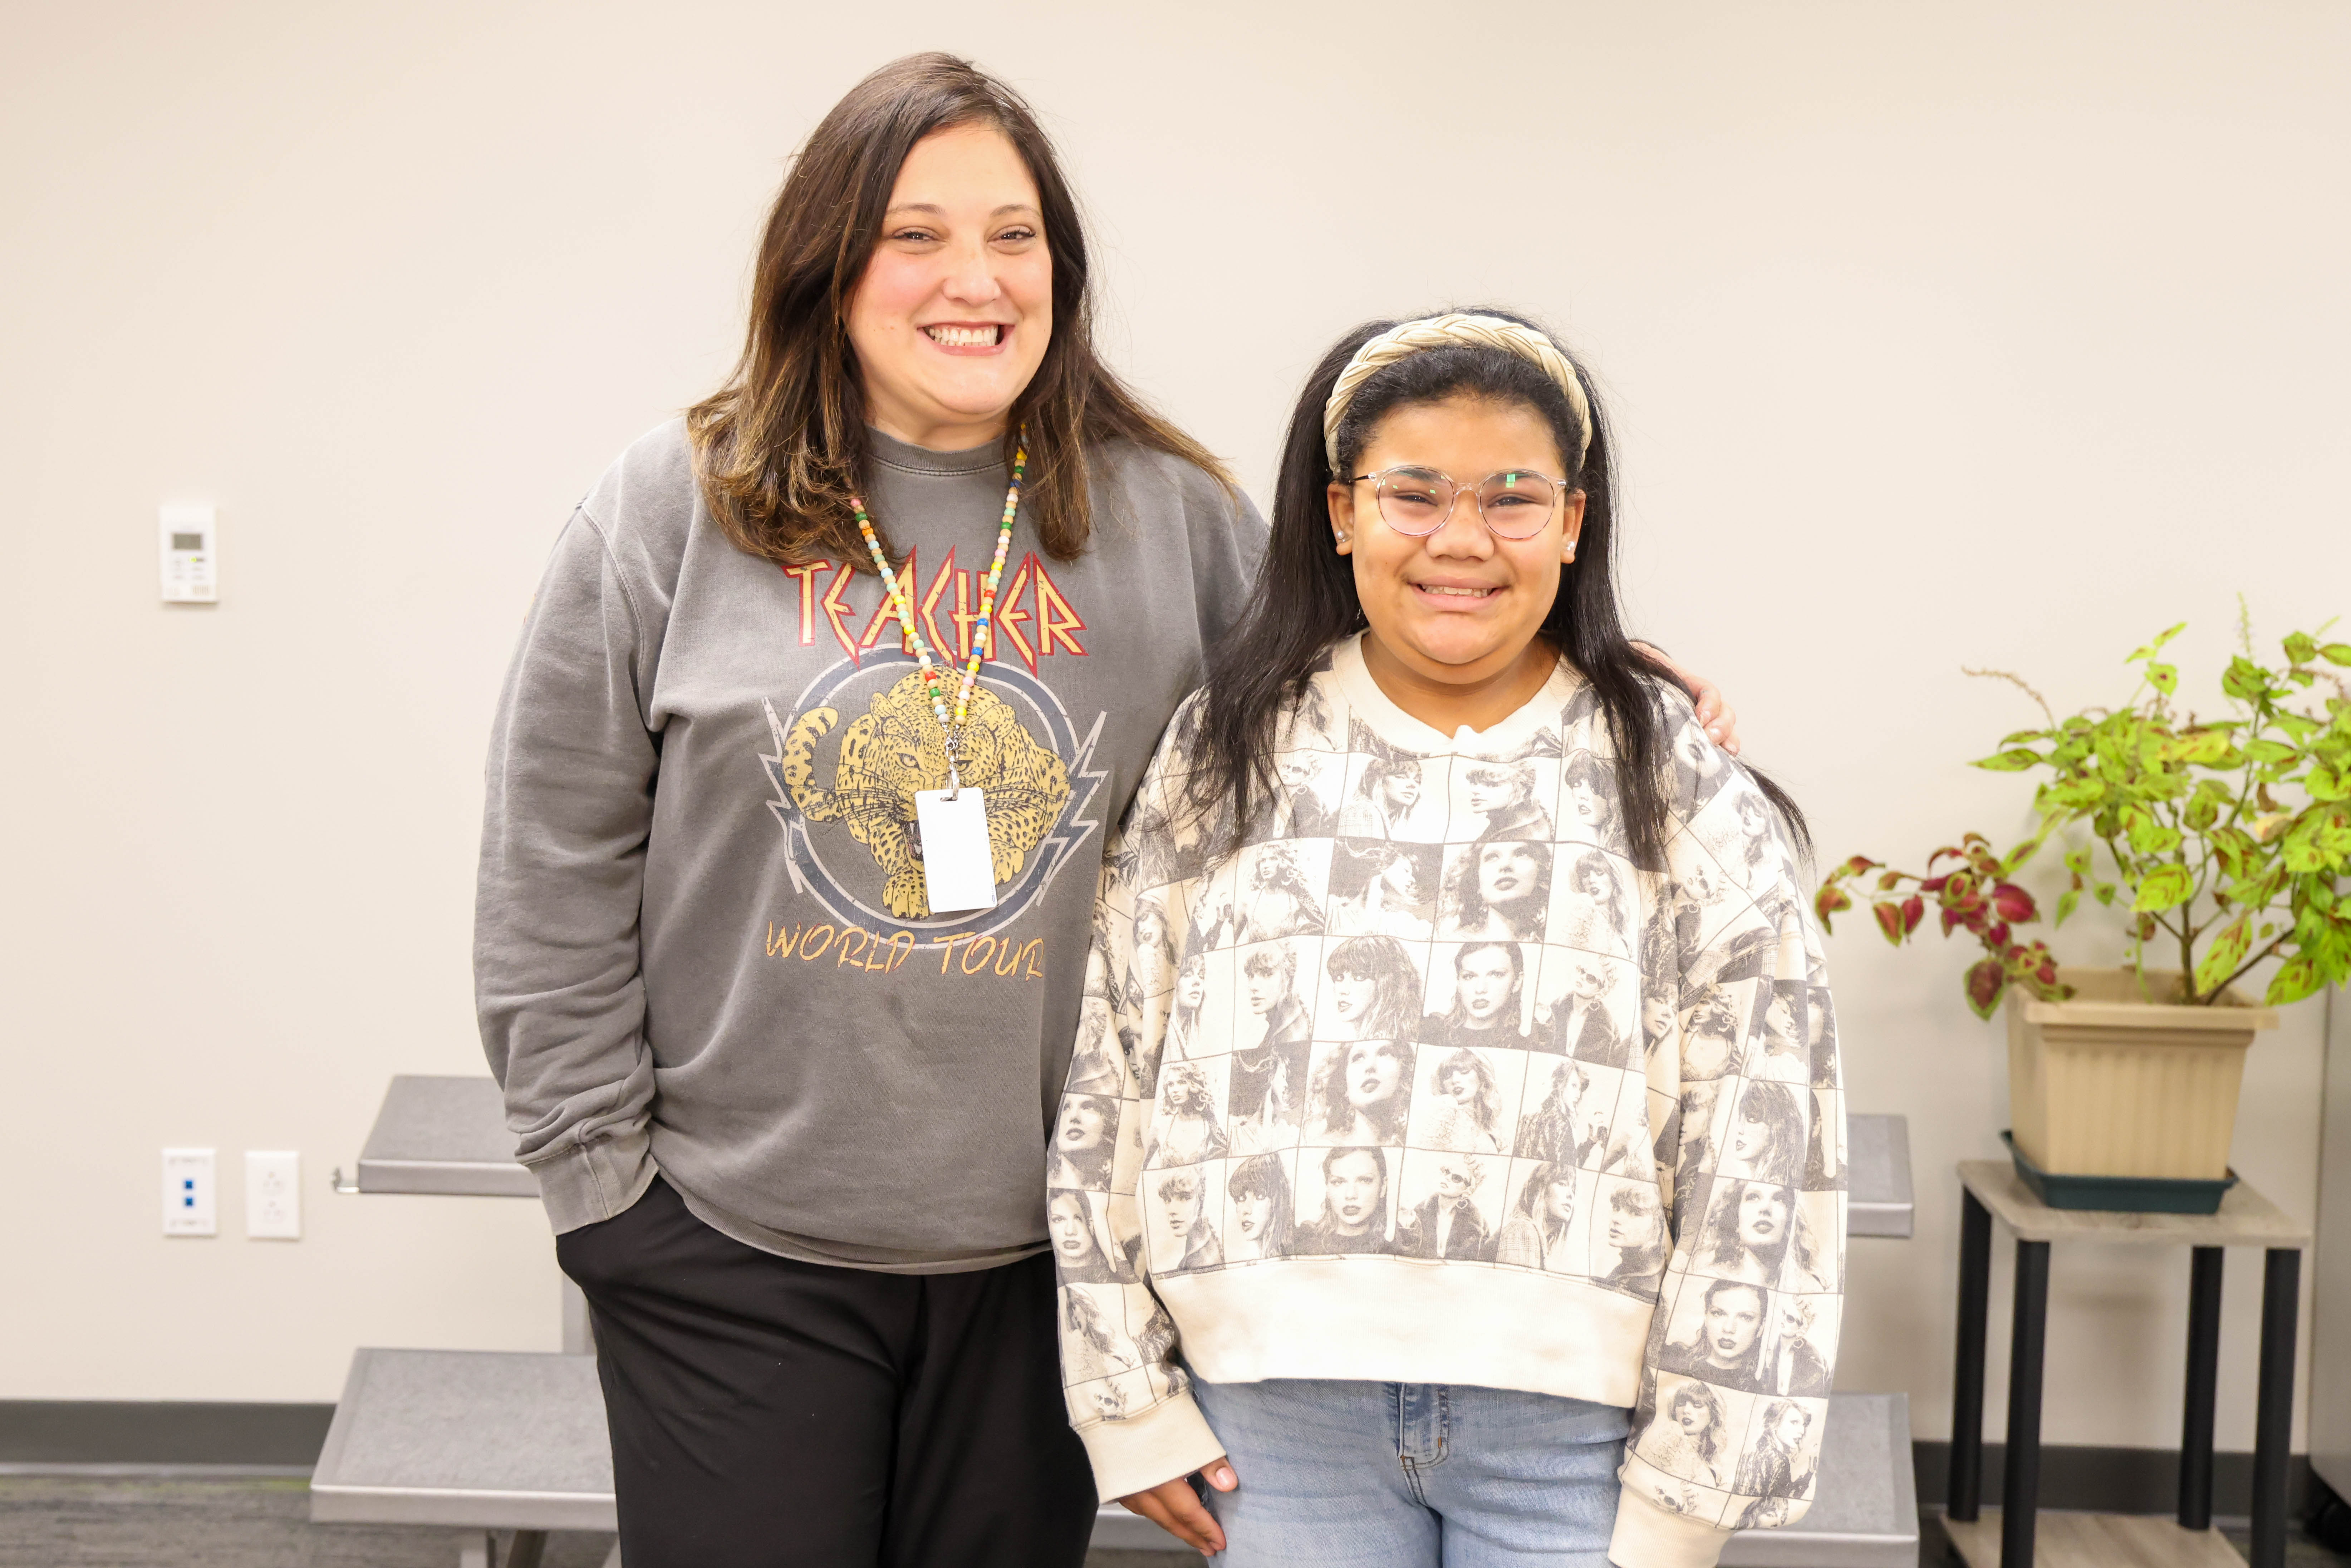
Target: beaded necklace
(934, 685)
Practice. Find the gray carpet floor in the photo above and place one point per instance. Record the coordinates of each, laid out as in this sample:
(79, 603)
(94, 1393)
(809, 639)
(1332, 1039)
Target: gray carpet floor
(79, 1522)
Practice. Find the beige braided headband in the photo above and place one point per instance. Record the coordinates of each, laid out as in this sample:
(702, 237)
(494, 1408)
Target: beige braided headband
(1408, 338)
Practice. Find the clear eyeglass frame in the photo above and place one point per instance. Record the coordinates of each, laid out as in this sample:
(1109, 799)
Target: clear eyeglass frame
(1456, 490)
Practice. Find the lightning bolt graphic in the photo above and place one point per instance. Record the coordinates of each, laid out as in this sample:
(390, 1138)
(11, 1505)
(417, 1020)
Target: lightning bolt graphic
(787, 815)
(1075, 824)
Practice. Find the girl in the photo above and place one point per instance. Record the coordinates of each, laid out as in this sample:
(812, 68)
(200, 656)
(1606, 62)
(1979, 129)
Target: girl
(1535, 1236)
(1360, 1097)
(1375, 989)
(1437, 588)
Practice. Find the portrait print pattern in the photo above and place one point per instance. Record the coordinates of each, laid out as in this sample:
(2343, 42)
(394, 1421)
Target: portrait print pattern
(1430, 1014)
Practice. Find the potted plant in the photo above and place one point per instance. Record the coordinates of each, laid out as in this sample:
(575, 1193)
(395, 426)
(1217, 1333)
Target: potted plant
(2224, 841)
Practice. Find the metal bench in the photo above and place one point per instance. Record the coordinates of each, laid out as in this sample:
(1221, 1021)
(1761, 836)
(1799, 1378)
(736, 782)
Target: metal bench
(486, 1441)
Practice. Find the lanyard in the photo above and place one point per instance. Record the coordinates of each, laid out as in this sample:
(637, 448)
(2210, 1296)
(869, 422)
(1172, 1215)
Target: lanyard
(934, 682)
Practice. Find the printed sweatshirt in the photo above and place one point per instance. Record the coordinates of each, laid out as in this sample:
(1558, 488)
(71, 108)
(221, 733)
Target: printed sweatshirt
(1429, 1083)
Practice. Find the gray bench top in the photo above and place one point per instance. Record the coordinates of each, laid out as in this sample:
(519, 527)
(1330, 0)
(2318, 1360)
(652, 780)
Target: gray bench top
(477, 1438)
(449, 1136)
(516, 1440)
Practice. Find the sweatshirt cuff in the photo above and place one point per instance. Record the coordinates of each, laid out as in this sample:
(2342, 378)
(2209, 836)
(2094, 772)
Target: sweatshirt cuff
(1647, 1536)
(581, 1184)
(1135, 1453)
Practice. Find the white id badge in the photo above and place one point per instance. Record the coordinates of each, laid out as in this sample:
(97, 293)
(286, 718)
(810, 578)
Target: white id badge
(958, 867)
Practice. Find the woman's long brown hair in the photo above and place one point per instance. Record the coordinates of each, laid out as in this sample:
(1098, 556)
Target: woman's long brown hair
(783, 444)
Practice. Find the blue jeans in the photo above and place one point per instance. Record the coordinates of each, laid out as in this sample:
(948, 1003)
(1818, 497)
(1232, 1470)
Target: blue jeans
(1413, 1475)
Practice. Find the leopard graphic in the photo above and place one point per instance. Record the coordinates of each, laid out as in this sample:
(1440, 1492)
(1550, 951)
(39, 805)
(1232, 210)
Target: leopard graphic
(896, 749)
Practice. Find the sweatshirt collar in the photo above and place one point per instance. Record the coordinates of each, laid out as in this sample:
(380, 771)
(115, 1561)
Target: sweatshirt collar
(1392, 725)
(907, 458)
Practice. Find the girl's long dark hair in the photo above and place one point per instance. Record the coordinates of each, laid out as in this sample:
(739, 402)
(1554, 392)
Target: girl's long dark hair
(1305, 597)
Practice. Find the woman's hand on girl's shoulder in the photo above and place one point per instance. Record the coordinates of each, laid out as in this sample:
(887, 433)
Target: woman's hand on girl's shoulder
(1176, 1509)
(1714, 710)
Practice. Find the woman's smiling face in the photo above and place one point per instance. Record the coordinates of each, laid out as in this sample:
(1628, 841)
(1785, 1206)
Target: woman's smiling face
(1462, 603)
(952, 315)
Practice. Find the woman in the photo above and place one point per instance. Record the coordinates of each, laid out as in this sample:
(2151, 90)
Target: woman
(1465, 1105)
(1384, 796)
(1078, 1253)
(1595, 914)
(1489, 984)
(1504, 794)
(1185, 1132)
(1278, 902)
(1590, 789)
(1436, 586)
(1361, 1094)
(1099, 1353)
(1184, 1020)
(1747, 1232)
(1637, 1229)
(1535, 1236)
(1689, 1441)
(1498, 890)
(1375, 989)
(1766, 1137)
(1548, 1132)
(1259, 1190)
(1375, 892)
(1773, 1470)
(1084, 1135)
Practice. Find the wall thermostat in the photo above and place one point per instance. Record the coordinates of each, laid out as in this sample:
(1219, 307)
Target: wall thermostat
(191, 561)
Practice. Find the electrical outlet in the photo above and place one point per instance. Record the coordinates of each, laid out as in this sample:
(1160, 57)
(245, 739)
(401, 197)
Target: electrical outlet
(191, 1193)
(273, 1194)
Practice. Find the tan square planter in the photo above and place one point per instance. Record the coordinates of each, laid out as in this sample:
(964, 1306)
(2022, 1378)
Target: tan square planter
(2109, 1084)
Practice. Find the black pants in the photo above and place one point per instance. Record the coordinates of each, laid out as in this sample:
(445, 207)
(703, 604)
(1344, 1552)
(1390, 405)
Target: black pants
(769, 1413)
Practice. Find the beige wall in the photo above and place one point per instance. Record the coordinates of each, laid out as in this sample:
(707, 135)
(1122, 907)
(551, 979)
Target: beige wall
(2003, 339)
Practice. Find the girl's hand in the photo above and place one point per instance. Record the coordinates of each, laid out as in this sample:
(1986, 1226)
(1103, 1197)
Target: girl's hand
(1176, 1509)
(1714, 710)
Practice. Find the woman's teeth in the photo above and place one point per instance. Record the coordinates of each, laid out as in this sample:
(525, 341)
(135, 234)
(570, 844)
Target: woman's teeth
(1457, 592)
(965, 336)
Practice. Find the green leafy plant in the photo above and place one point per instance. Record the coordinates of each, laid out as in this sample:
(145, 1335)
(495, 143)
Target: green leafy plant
(2224, 839)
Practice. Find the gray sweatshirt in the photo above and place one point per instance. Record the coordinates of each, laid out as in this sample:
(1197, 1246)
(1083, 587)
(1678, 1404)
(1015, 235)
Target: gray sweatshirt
(702, 947)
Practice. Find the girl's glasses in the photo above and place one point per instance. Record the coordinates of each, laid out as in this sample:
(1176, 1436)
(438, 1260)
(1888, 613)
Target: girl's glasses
(1515, 504)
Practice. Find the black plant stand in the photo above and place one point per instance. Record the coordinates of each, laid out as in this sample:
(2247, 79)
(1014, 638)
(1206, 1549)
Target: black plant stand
(1990, 1190)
